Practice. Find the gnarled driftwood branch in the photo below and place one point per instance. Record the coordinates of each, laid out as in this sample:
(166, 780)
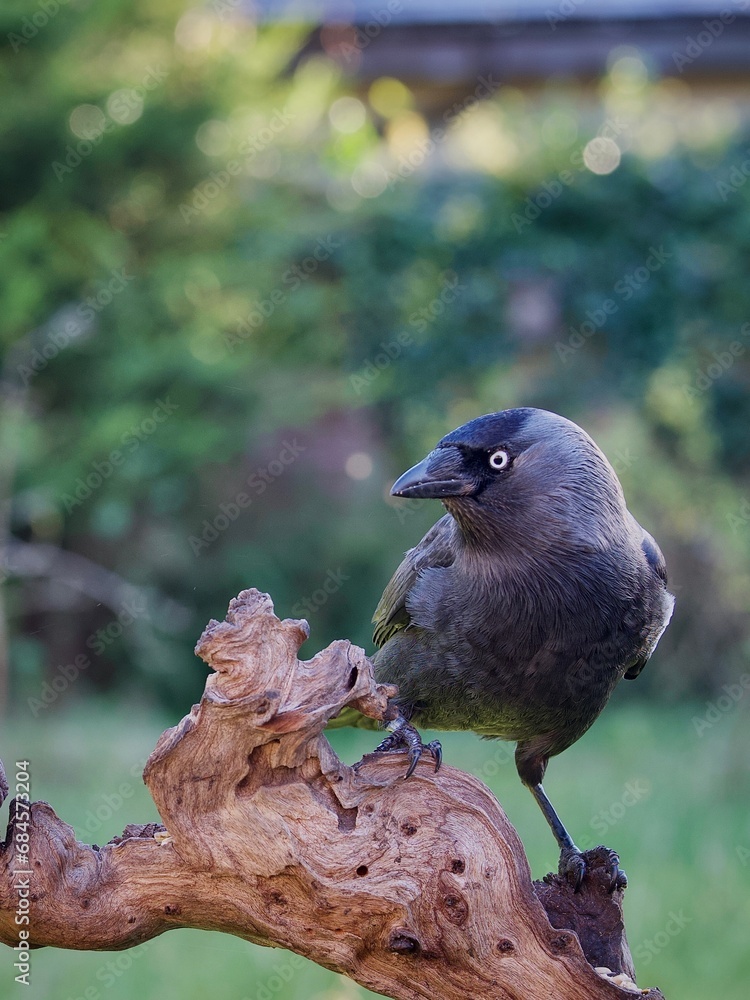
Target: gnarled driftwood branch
(416, 889)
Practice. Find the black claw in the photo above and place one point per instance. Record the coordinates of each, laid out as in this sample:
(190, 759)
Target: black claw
(407, 738)
(619, 880)
(436, 749)
(572, 865)
(617, 877)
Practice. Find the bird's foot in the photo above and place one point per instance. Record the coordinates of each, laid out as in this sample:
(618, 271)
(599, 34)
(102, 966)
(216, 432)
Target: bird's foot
(574, 866)
(406, 737)
(617, 877)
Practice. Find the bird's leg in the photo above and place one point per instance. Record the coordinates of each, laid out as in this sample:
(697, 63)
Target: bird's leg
(571, 858)
(405, 737)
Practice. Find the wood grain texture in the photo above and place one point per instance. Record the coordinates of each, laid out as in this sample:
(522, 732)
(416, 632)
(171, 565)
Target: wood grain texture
(415, 889)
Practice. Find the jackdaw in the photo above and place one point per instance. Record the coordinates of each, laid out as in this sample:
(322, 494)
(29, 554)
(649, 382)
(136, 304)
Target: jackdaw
(524, 605)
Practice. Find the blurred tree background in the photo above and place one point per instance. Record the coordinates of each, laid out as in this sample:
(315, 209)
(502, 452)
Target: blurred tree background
(243, 288)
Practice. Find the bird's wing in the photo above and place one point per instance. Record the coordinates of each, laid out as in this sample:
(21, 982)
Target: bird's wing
(657, 562)
(436, 549)
(654, 556)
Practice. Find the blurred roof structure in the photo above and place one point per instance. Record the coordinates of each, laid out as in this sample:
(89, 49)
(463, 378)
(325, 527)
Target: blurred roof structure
(451, 11)
(447, 41)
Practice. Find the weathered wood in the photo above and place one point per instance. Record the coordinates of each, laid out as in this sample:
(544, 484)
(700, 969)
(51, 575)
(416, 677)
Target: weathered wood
(416, 889)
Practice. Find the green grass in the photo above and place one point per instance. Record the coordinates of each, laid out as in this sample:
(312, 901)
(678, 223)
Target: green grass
(673, 803)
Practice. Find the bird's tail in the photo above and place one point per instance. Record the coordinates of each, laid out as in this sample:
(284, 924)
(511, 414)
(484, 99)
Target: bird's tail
(351, 717)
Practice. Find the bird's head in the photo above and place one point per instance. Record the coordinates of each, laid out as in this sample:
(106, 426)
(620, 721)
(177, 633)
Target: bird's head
(524, 472)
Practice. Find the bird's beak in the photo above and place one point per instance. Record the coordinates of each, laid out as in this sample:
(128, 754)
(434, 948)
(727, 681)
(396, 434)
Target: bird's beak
(441, 474)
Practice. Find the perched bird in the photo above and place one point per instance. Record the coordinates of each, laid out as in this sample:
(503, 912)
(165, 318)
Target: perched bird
(524, 605)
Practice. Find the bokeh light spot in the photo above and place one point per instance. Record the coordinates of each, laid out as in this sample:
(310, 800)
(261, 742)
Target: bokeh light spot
(369, 179)
(125, 106)
(347, 114)
(389, 96)
(359, 465)
(87, 121)
(213, 137)
(406, 132)
(629, 74)
(194, 31)
(601, 155)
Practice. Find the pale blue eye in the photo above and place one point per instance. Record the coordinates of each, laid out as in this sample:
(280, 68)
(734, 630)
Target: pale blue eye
(499, 460)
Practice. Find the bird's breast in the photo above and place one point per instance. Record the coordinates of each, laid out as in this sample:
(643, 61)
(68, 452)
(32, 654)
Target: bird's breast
(514, 653)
